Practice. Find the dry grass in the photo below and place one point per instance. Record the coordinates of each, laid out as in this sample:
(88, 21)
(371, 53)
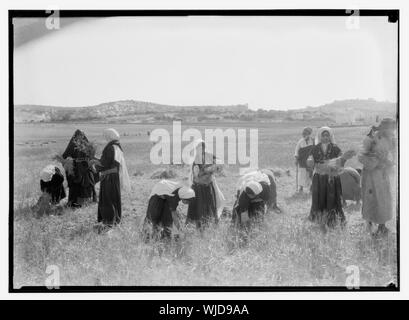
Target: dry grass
(287, 250)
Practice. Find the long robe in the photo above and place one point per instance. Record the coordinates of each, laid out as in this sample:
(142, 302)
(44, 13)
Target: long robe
(81, 184)
(203, 208)
(326, 207)
(302, 151)
(377, 157)
(109, 205)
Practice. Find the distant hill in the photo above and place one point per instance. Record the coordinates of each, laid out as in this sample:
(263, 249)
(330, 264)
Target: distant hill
(131, 109)
(350, 111)
(339, 111)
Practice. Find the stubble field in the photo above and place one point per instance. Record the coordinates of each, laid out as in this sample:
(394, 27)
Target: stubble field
(286, 251)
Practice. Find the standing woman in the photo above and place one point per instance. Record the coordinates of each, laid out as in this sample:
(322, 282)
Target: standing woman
(378, 157)
(114, 177)
(81, 178)
(327, 159)
(208, 202)
(302, 151)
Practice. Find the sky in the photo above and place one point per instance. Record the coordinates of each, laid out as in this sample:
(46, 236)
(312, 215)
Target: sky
(267, 62)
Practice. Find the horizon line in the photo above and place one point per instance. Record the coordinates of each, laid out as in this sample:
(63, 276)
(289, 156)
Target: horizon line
(203, 105)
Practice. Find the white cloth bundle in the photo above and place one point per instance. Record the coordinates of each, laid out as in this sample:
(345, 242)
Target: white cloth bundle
(124, 180)
(165, 187)
(47, 173)
(257, 176)
(186, 193)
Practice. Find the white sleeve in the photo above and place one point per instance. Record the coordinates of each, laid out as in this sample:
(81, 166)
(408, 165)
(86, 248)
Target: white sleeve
(297, 148)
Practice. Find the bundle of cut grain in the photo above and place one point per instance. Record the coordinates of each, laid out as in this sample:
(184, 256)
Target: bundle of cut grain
(164, 174)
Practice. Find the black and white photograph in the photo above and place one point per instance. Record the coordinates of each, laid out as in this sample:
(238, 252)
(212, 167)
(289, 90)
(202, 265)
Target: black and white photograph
(204, 150)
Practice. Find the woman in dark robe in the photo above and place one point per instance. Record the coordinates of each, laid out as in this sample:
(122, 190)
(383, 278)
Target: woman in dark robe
(327, 159)
(161, 214)
(52, 183)
(207, 205)
(80, 175)
(251, 203)
(113, 176)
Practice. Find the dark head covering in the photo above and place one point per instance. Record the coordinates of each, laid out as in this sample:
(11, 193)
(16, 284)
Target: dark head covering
(73, 149)
(387, 123)
(307, 130)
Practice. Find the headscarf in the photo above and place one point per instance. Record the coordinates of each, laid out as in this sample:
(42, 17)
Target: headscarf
(186, 193)
(269, 173)
(319, 133)
(165, 187)
(256, 176)
(72, 150)
(111, 134)
(254, 186)
(200, 156)
(47, 173)
(307, 130)
(387, 123)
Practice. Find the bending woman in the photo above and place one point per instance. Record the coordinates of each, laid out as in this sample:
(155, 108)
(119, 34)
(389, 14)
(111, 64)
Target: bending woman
(252, 199)
(161, 214)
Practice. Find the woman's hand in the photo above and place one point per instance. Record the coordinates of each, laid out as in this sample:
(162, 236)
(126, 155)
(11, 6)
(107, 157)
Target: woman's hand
(95, 161)
(310, 162)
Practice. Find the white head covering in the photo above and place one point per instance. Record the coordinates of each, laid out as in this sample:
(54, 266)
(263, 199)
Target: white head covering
(186, 193)
(47, 173)
(125, 183)
(111, 134)
(319, 133)
(269, 173)
(165, 187)
(254, 186)
(198, 151)
(256, 176)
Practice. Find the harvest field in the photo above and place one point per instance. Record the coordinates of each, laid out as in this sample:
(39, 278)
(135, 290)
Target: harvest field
(287, 251)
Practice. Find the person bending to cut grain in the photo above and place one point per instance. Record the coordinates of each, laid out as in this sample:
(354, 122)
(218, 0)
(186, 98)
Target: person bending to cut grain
(161, 214)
